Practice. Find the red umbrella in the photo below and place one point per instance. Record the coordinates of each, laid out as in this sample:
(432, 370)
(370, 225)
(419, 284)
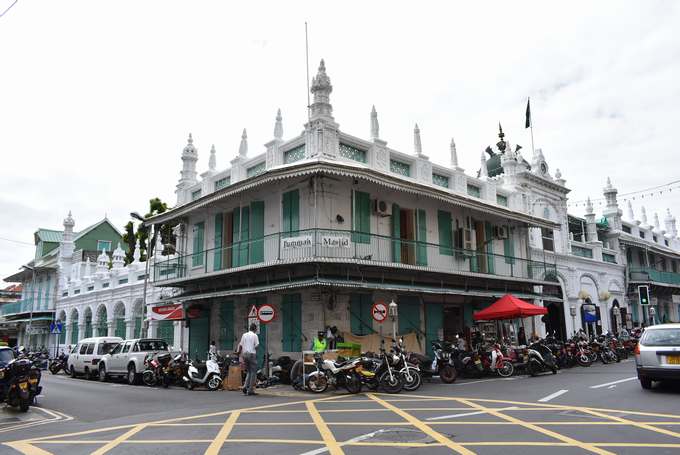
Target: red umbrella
(509, 307)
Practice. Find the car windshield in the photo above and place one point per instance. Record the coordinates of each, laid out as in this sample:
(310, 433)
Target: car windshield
(5, 356)
(661, 337)
(104, 348)
(152, 345)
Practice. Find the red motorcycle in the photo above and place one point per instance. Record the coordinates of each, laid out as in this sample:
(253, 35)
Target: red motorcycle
(496, 361)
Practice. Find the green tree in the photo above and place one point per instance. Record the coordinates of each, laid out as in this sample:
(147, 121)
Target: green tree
(156, 206)
(130, 239)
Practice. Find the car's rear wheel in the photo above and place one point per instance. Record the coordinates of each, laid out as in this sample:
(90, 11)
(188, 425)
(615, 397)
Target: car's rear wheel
(646, 383)
(73, 372)
(132, 375)
(102, 373)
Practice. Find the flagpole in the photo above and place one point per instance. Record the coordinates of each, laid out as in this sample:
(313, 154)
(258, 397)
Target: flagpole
(533, 150)
(530, 120)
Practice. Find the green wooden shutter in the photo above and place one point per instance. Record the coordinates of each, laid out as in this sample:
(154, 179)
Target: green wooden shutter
(409, 315)
(227, 334)
(362, 217)
(88, 327)
(166, 332)
(102, 327)
(291, 211)
(361, 320)
(120, 328)
(47, 292)
(421, 238)
(488, 237)
(217, 261)
(396, 233)
(74, 332)
(197, 257)
(291, 313)
(257, 232)
(236, 237)
(137, 333)
(509, 248)
(434, 317)
(245, 236)
(445, 236)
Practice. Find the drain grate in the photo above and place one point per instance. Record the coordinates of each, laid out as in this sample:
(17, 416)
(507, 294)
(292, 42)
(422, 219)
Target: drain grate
(399, 435)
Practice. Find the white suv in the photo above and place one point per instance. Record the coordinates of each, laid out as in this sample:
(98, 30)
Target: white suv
(127, 359)
(88, 352)
(657, 354)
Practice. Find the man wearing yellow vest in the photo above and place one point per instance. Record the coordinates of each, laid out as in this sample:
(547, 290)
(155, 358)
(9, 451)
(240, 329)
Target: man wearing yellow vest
(319, 343)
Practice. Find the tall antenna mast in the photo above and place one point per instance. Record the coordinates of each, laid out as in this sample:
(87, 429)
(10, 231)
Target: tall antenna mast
(309, 115)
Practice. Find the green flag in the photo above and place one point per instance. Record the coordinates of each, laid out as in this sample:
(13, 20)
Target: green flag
(527, 123)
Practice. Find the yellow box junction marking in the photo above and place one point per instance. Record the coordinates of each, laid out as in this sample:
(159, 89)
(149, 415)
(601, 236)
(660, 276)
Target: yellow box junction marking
(123, 437)
(324, 431)
(216, 444)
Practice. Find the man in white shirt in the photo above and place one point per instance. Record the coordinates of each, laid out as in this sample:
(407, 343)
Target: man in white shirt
(247, 349)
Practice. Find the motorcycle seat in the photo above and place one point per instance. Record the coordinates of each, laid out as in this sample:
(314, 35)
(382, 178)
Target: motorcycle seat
(202, 368)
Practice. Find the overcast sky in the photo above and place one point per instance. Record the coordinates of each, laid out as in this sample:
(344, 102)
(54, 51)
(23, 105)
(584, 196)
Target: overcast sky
(98, 97)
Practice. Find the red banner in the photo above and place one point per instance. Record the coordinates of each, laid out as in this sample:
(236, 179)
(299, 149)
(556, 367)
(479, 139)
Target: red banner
(167, 312)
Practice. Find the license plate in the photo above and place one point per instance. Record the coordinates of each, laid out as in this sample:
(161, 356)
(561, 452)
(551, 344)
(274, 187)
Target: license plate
(23, 385)
(673, 359)
(477, 362)
(33, 381)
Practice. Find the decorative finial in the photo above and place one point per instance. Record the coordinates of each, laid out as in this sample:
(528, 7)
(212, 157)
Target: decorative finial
(278, 126)
(629, 210)
(321, 88)
(189, 149)
(657, 225)
(68, 221)
(190, 140)
(501, 135)
(483, 171)
(589, 206)
(454, 154)
(375, 127)
(417, 145)
(243, 148)
(558, 174)
(137, 254)
(644, 215)
(212, 162)
(501, 144)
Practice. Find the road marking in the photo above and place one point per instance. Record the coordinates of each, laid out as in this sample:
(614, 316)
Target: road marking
(217, 443)
(123, 437)
(363, 437)
(453, 416)
(632, 423)
(26, 448)
(553, 395)
(552, 434)
(326, 434)
(599, 386)
(422, 426)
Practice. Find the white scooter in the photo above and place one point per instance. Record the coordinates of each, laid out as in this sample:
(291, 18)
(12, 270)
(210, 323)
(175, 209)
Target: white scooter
(200, 373)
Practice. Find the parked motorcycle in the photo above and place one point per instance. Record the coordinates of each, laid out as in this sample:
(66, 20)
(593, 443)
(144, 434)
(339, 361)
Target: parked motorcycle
(540, 359)
(58, 364)
(152, 372)
(329, 372)
(386, 372)
(203, 373)
(409, 371)
(497, 362)
(583, 354)
(19, 383)
(442, 365)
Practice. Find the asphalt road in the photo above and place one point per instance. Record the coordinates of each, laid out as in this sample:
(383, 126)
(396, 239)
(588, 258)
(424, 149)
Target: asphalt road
(601, 409)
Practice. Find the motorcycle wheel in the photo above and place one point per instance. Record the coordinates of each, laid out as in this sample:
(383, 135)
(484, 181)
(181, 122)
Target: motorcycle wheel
(214, 382)
(317, 383)
(583, 360)
(593, 357)
(148, 378)
(415, 382)
(448, 374)
(554, 370)
(54, 368)
(24, 404)
(531, 369)
(393, 385)
(506, 370)
(605, 358)
(372, 384)
(353, 384)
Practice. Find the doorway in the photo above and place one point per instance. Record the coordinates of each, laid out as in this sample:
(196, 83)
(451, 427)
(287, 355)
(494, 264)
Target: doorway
(199, 334)
(554, 321)
(453, 322)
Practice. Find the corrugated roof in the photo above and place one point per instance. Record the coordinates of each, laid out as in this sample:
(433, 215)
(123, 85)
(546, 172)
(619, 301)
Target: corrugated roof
(49, 235)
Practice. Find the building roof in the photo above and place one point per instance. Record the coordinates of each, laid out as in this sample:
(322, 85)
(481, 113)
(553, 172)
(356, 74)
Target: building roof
(48, 235)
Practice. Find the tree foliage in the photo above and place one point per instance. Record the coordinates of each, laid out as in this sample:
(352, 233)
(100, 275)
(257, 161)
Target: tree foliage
(156, 206)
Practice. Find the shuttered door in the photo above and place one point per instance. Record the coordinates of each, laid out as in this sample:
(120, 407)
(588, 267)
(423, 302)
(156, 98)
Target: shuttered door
(217, 257)
(88, 326)
(291, 313)
(290, 212)
(74, 333)
(361, 217)
(421, 237)
(396, 233)
(445, 237)
(509, 248)
(236, 237)
(409, 315)
(434, 318)
(199, 336)
(120, 328)
(361, 321)
(166, 332)
(198, 232)
(257, 232)
(227, 334)
(102, 327)
(488, 235)
(241, 230)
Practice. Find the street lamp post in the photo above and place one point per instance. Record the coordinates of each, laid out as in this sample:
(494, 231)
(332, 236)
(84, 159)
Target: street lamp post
(572, 312)
(393, 312)
(149, 248)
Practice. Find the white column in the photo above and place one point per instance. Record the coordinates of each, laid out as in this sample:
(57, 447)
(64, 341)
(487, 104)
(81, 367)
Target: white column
(153, 329)
(111, 327)
(129, 328)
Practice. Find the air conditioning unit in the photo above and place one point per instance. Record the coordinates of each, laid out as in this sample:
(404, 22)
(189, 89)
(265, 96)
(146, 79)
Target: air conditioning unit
(501, 232)
(382, 208)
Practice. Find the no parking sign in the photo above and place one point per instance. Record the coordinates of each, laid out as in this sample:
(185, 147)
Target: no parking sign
(379, 312)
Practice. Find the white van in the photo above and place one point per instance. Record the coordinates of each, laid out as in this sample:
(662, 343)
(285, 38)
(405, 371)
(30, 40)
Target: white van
(88, 352)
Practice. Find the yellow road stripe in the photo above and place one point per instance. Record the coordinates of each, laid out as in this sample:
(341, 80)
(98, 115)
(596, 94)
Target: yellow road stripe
(26, 448)
(553, 434)
(119, 439)
(278, 441)
(324, 431)
(635, 444)
(216, 445)
(422, 426)
(644, 426)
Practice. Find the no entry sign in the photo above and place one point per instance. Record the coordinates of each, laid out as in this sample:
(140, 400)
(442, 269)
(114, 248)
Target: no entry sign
(379, 311)
(266, 313)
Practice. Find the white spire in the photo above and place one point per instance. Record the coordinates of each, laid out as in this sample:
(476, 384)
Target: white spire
(454, 154)
(243, 147)
(644, 216)
(321, 89)
(657, 225)
(137, 253)
(417, 145)
(278, 126)
(189, 158)
(483, 172)
(212, 162)
(375, 127)
(669, 221)
(589, 206)
(118, 259)
(629, 212)
(88, 269)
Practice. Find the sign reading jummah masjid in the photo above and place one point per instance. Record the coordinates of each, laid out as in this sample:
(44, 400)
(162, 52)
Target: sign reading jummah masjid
(306, 241)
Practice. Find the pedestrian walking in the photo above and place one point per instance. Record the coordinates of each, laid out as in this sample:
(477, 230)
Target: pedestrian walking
(247, 349)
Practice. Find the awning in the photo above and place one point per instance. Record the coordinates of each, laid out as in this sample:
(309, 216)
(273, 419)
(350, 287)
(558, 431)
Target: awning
(362, 285)
(173, 312)
(509, 307)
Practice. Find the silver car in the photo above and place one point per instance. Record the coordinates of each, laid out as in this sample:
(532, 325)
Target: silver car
(657, 355)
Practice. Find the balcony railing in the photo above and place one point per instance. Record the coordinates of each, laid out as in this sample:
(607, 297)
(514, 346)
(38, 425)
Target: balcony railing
(22, 306)
(347, 246)
(649, 274)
